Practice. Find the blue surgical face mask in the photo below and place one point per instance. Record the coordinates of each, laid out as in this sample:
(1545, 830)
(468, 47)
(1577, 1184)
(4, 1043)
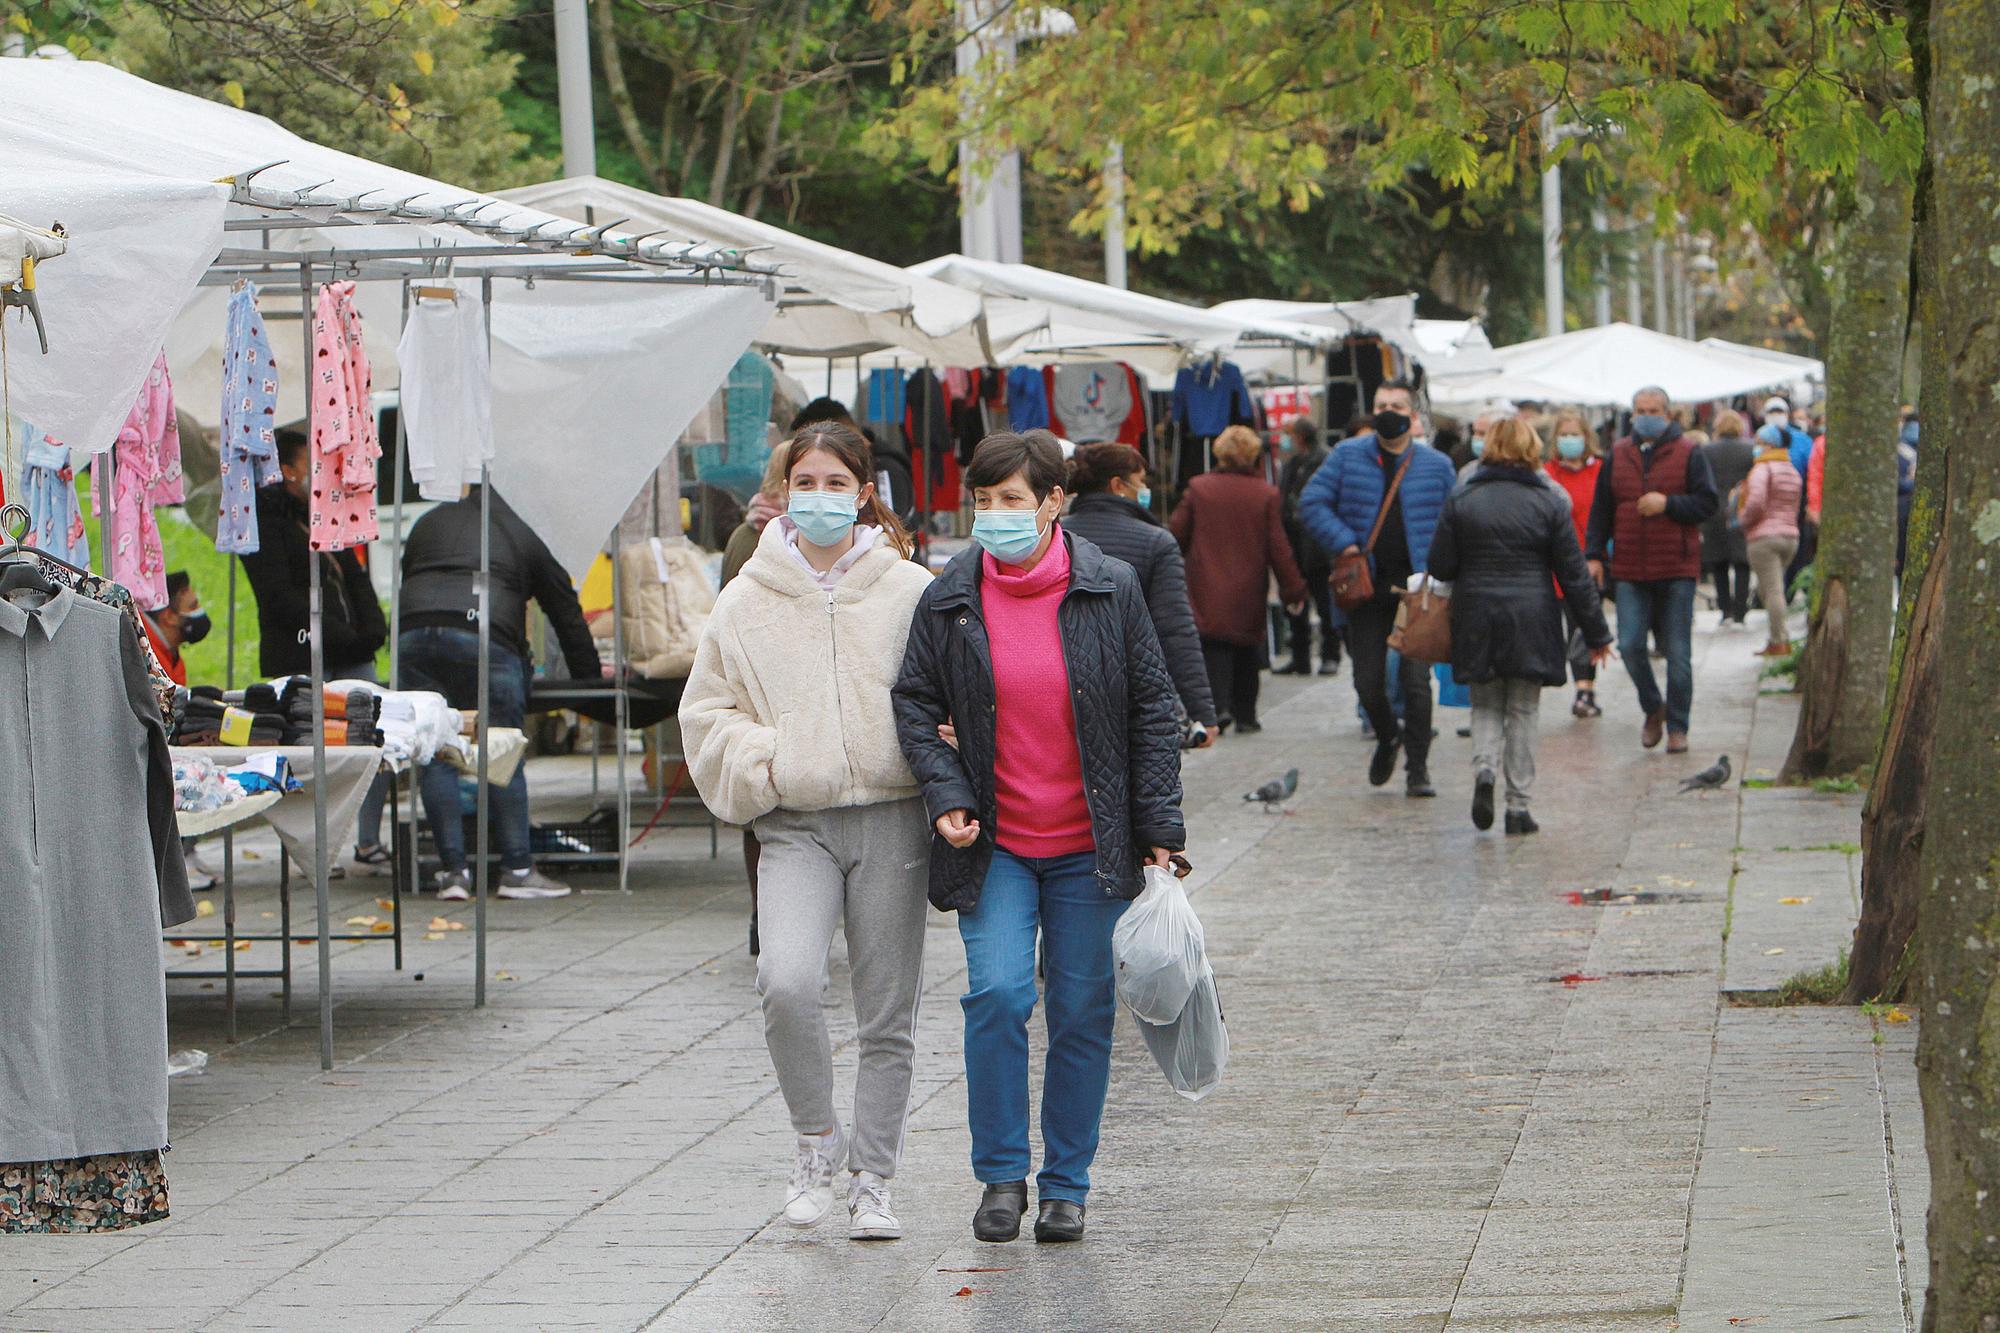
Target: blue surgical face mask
(1909, 435)
(1008, 535)
(1478, 445)
(1145, 497)
(1648, 425)
(823, 518)
(1570, 446)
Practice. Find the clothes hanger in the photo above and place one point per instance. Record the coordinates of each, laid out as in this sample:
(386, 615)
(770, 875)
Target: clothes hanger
(16, 572)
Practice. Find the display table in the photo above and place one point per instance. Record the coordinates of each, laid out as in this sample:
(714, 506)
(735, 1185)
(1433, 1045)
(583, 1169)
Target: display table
(200, 824)
(350, 769)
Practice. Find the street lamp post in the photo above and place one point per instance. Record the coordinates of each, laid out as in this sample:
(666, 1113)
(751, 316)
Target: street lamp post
(1552, 226)
(579, 135)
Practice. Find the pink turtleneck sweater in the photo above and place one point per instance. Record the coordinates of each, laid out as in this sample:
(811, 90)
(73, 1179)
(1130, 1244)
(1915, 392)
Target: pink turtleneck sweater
(1037, 765)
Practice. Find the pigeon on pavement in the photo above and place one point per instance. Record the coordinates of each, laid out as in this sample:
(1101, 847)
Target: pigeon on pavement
(1275, 792)
(1712, 778)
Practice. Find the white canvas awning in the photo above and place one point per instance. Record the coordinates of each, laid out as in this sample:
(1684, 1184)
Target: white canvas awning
(835, 304)
(1806, 376)
(1091, 319)
(1605, 366)
(1391, 318)
(161, 191)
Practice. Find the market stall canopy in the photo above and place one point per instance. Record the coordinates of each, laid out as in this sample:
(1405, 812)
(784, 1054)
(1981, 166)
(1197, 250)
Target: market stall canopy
(1090, 317)
(1606, 365)
(1455, 347)
(835, 302)
(161, 190)
(1390, 318)
(1806, 376)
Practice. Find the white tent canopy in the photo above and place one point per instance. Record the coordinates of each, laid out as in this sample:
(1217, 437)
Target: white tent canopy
(1806, 376)
(836, 304)
(1605, 366)
(1087, 316)
(137, 174)
(1391, 318)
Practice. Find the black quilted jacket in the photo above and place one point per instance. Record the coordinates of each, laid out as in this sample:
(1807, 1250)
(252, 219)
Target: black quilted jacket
(1124, 707)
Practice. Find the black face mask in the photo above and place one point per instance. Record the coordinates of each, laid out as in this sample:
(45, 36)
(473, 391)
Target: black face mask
(195, 627)
(1390, 425)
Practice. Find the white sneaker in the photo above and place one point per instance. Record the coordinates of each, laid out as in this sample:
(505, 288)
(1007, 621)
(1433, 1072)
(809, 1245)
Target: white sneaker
(869, 1216)
(454, 886)
(530, 883)
(809, 1196)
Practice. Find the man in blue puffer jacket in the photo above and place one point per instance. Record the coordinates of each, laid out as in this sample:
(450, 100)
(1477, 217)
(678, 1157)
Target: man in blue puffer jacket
(1339, 507)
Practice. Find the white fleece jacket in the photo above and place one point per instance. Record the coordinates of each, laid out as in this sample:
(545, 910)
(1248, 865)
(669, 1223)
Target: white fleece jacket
(788, 704)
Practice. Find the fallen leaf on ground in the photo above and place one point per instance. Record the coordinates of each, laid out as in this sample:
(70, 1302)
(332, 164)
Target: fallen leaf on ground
(1756, 1150)
(251, 856)
(267, 915)
(1796, 902)
(362, 920)
(443, 923)
(243, 946)
(385, 904)
(1575, 979)
(433, 934)
(382, 927)
(505, 976)
(1895, 1016)
(969, 1291)
(1772, 953)
(204, 908)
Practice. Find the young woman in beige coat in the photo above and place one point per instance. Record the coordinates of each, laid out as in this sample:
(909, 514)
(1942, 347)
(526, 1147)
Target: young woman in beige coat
(788, 728)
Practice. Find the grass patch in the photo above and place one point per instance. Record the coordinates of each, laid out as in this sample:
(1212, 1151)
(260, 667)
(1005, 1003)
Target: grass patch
(1786, 667)
(1758, 784)
(1835, 786)
(1822, 985)
(1844, 848)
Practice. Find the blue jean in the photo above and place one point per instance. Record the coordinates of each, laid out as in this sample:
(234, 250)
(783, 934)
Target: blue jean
(1062, 898)
(1665, 607)
(446, 660)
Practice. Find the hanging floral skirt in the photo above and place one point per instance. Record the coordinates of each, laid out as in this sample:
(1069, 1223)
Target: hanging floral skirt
(109, 1192)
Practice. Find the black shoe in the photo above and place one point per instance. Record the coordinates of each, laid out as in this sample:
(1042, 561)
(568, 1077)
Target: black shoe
(1520, 821)
(1464, 733)
(1482, 801)
(1329, 666)
(1058, 1220)
(1418, 785)
(1000, 1209)
(756, 944)
(1383, 766)
(1297, 667)
(1249, 728)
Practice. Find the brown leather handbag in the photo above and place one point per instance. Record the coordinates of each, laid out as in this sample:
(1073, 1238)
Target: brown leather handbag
(1423, 625)
(1353, 585)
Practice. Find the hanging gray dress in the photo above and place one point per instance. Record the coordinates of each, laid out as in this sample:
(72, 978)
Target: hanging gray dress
(90, 870)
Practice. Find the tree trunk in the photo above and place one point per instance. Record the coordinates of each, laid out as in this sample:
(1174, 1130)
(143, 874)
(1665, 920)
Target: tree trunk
(613, 61)
(1845, 670)
(1958, 1053)
(1883, 958)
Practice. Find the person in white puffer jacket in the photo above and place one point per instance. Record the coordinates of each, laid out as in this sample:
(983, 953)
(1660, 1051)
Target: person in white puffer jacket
(788, 727)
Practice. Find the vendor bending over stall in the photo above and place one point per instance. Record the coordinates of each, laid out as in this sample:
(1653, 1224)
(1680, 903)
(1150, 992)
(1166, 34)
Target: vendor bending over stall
(439, 645)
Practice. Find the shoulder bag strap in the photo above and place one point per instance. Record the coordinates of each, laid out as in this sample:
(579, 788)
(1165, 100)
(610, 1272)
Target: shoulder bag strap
(1382, 514)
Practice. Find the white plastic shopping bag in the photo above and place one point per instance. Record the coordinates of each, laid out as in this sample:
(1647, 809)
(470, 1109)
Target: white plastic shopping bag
(1157, 949)
(1193, 1050)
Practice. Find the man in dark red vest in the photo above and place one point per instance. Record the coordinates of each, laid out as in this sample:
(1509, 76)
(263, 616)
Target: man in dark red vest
(1646, 521)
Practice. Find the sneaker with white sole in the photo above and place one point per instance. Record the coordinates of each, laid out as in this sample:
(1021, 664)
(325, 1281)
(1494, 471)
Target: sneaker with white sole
(809, 1196)
(454, 886)
(869, 1216)
(530, 883)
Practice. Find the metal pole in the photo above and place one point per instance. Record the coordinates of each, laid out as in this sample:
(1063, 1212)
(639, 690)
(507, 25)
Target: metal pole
(1114, 215)
(1552, 228)
(481, 593)
(1659, 320)
(396, 574)
(1635, 305)
(1679, 267)
(579, 137)
(621, 705)
(317, 680)
(1601, 224)
(229, 660)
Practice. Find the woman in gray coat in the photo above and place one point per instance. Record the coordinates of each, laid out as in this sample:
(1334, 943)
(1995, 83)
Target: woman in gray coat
(1504, 541)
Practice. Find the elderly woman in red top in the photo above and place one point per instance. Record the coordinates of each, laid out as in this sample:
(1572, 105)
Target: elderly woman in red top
(1231, 527)
(1036, 710)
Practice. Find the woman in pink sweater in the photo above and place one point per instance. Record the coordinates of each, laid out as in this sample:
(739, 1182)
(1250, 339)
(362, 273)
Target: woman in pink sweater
(1036, 710)
(1769, 515)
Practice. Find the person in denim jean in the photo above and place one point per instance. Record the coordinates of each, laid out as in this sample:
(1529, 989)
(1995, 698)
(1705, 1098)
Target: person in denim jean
(1036, 710)
(439, 648)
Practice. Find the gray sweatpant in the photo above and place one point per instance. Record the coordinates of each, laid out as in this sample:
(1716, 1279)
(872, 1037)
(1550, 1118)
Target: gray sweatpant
(870, 863)
(1506, 715)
